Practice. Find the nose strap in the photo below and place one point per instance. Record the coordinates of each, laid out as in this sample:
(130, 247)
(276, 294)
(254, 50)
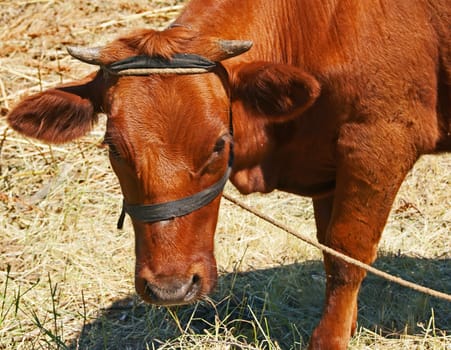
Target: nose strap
(170, 210)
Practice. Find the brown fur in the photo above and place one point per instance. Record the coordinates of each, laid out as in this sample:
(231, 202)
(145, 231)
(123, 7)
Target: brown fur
(336, 100)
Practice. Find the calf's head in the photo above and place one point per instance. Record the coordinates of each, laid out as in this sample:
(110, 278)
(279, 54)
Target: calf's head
(169, 137)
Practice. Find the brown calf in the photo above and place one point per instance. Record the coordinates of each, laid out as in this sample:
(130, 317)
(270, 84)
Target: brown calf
(336, 100)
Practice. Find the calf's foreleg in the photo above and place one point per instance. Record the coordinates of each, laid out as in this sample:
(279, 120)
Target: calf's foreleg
(372, 163)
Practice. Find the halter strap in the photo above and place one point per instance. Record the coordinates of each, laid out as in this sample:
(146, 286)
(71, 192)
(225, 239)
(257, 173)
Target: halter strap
(147, 65)
(150, 213)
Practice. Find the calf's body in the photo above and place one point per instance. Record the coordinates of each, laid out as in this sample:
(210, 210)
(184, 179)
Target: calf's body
(335, 100)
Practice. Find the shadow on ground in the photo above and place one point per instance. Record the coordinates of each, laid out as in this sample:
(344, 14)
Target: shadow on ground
(287, 300)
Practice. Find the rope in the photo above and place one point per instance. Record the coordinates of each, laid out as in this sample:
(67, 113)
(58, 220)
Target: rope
(337, 254)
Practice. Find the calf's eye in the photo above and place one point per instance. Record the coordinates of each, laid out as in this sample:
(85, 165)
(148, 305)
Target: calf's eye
(111, 147)
(219, 146)
(212, 165)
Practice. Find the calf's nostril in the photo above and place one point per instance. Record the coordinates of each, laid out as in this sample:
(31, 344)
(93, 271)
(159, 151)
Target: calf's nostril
(195, 279)
(149, 291)
(193, 289)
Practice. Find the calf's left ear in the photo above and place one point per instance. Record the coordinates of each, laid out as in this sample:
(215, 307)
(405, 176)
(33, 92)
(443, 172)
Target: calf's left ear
(278, 92)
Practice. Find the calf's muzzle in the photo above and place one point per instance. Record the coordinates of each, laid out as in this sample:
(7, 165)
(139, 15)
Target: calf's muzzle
(173, 290)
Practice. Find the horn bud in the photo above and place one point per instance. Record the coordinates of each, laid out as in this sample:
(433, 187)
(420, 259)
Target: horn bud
(232, 48)
(224, 49)
(90, 55)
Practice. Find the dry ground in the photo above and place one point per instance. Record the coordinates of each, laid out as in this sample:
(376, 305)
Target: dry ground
(66, 272)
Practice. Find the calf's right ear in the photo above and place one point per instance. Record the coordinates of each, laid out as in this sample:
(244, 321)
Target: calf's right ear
(61, 114)
(274, 91)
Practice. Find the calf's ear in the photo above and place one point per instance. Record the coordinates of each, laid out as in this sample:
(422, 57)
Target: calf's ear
(61, 114)
(278, 92)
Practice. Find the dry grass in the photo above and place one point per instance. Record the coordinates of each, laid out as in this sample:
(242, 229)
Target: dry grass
(66, 272)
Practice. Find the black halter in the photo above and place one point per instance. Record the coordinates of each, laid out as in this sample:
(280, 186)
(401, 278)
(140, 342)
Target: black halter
(181, 64)
(180, 207)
